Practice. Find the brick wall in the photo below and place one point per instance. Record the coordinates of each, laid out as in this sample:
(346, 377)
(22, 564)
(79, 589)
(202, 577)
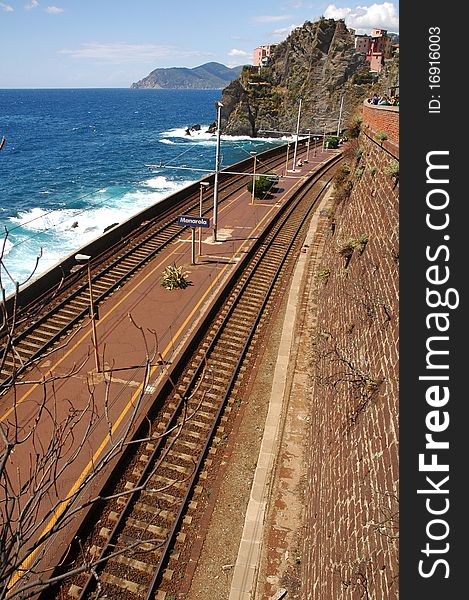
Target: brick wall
(351, 548)
(382, 119)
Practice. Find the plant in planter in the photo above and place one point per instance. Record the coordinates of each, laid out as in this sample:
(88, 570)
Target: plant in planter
(264, 184)
(174, 277)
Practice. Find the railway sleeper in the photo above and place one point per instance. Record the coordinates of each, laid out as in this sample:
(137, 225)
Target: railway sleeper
(23, 354)
(204, 415)
(119, 270)
(187, 444)
(129, 586)
(168, 483)
(181, 456)
(222, 362)
(244, 312)
(130, 263)
(253, 299)
(108, 280)
(142, 255)
(69, 312)
(133, 563)
(228, 343)
(199, 424)
(137, 471)
(151, 493)
(48, 328)
(189, 435)
(28, 343)
(140, 525)
(82, 300)
(42, 339)
(155, 511)
(100, 288)
(62, 315)
(171, 466)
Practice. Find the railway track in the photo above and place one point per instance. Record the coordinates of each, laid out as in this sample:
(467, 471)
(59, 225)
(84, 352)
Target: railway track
(138, 538)
(40, 326)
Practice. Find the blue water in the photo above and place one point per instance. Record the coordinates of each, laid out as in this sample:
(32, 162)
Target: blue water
(74, 162)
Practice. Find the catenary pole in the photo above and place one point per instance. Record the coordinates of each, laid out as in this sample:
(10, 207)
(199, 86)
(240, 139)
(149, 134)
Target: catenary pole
(297, 134)
(217, 170)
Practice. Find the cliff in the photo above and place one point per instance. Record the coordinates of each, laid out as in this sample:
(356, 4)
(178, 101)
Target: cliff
(316, 63)
(208, 76)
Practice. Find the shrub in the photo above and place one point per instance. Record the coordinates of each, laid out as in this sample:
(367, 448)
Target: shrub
(393, 170)
(359, 172)
(341, 175)
(382, 136)
(354, 130)
(323, 274)
(359, 153)
(332, 141)
(347, 248)
(264, 183)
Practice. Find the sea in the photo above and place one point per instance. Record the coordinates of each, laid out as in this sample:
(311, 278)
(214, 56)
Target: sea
(76, 161)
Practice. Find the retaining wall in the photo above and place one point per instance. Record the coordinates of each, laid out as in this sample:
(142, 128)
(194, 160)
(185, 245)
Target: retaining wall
(351, 547)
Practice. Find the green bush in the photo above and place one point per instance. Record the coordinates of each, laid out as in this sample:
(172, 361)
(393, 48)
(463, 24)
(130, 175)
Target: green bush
(264, 183)
(354, 129)
(332, 141)
(323, 274)
(393, 170)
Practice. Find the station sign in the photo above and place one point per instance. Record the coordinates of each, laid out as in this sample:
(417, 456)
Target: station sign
(190, 221)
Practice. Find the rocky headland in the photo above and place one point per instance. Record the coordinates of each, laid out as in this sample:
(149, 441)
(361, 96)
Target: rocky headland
(317, 63)
(211, 75)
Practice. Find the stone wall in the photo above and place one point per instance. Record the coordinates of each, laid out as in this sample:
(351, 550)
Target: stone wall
(351, 546)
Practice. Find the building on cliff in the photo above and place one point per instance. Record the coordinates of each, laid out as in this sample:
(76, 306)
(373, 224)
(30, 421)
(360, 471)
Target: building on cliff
(376, 47)
(262, 55)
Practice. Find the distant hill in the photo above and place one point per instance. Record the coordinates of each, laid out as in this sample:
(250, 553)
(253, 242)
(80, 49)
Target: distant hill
(211, 75)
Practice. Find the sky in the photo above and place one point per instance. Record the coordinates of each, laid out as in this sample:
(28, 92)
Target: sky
(113, 43)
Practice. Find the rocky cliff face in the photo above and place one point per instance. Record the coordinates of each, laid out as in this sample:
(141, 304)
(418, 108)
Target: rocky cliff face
(316, 63)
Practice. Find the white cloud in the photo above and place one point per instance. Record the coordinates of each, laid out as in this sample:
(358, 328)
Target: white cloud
(364, 18)
(32, 4)
(283, 32)
(241, 53)
(120, 53)
(6, 7)
(54, 10)
(271, 18)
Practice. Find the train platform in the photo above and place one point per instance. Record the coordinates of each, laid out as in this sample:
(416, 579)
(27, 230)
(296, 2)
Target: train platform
(79, 403)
